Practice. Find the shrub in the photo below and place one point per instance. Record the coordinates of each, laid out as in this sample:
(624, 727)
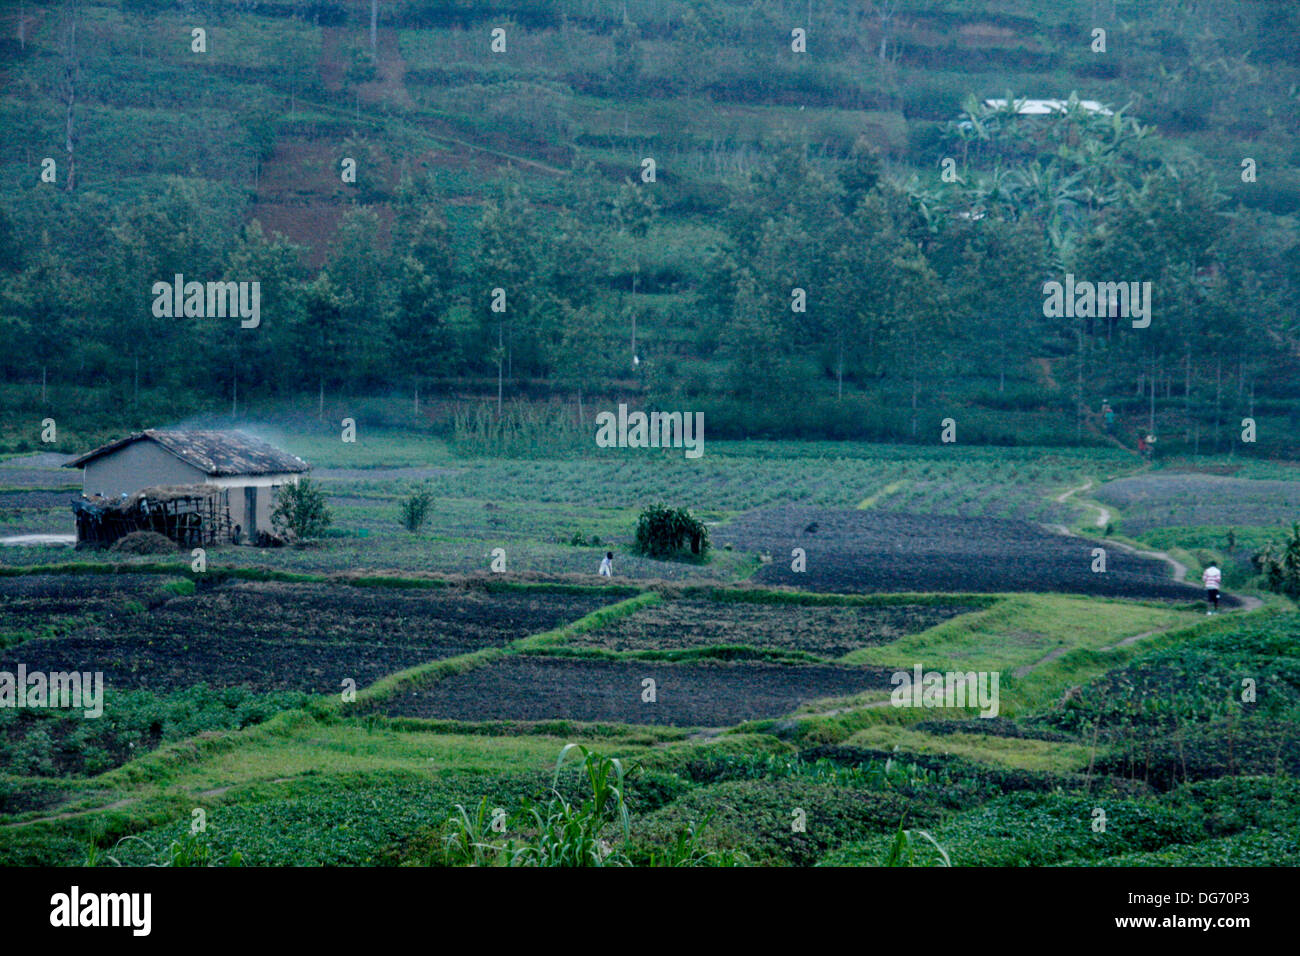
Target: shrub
(414, 510)
(662, 532)
(300, 509)
(1280, 564)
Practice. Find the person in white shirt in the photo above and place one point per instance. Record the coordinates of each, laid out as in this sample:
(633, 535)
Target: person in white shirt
(607, 565)
(1212, 577)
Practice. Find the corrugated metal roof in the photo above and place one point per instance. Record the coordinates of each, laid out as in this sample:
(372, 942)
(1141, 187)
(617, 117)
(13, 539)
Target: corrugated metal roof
(212, 452)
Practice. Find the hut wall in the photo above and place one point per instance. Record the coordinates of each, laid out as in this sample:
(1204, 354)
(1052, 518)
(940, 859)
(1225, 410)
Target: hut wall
(141, 464)
(266, 486)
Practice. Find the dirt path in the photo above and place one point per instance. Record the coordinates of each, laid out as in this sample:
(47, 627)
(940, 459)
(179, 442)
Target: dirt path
(1045, 370)
(390, 82)
(1102, 519)
(1053, 654)
(1103, 513)
(1050, 656)
(218, 791)
(119, 804)
(73, 813)
(1248, 602)
(24, 540)
(1132, 640)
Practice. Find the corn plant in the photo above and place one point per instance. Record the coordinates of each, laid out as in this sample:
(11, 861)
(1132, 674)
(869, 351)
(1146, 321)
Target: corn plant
(686, 850)
(468, 841)
(189, 850)
(559, 832)
(565, 835)
(903, 850)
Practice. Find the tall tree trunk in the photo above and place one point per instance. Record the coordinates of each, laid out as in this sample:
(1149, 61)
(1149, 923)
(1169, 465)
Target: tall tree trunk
(374, 27)
(70, 89)
(915, 383)
(1218, 399)
(1151, 419)
(1078, 390)
(839, 371)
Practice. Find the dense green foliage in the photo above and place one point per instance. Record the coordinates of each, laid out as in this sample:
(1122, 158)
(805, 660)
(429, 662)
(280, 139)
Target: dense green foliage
(775, 171)
(662, 532)
(46, 743)
(1279, 562)
(413, 510)
(301, 510)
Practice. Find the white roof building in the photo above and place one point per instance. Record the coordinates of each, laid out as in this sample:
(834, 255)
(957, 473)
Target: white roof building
(1045, 107)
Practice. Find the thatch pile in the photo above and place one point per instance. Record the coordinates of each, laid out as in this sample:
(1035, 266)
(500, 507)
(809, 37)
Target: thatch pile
(144, 542)
(157, 495)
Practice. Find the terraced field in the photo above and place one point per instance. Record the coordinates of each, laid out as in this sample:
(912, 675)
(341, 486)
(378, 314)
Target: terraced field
(1169, 499)
(303, 637)
(712, 694)
(826, 631)
(867, 551)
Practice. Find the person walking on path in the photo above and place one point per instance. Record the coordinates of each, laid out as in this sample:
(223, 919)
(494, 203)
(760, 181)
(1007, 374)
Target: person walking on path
(1212, 578)
(607, 565)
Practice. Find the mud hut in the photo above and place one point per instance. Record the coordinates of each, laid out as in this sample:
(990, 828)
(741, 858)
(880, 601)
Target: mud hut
(165, 478)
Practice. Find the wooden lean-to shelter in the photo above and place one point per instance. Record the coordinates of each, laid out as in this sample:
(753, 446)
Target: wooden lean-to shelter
(190, 515)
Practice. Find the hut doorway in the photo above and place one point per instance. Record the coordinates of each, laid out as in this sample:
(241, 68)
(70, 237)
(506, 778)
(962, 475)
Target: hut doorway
(250, 510)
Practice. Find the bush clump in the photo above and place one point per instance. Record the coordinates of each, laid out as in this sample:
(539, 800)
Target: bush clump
(1280, 564)
(414, 509)
(663, 532)
(300, 509)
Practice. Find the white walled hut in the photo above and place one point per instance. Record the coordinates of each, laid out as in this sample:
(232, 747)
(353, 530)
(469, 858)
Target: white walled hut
(249, 469)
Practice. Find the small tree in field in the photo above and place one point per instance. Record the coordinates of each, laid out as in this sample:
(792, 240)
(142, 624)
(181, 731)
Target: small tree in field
(414, 510)
(301, 511)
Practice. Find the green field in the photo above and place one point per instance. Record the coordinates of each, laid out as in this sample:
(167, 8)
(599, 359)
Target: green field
(1123, 704)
